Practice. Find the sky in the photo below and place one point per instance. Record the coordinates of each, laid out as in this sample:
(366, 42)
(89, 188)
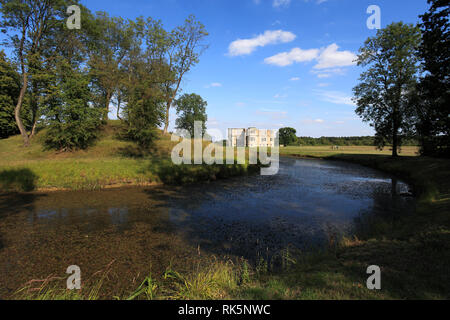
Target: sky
(276, 63)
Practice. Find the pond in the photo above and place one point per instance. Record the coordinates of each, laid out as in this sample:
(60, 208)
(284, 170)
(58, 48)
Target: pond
(136, 231)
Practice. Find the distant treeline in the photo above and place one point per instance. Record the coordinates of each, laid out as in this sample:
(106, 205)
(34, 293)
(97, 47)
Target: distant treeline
(346, 141)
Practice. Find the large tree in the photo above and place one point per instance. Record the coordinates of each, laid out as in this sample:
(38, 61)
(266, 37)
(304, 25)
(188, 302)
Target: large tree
(387, 86)
(110, 44)
(143, 101)
(28, 24)
(9, 91)
(433, 107)
(287, 136)
(191, 108)
(180, 50)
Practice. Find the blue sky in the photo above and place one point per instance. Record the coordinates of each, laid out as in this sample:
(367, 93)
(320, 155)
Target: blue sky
(294, 67)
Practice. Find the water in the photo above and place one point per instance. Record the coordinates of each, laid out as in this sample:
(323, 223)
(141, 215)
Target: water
(138, 230)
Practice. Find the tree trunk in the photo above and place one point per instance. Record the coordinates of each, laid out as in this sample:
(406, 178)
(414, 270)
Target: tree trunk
(107, 101)
(23, 131)
(34, 109)
(166, 122)
(33, 130)
(395, 141)
(119, 101)
(395, 126)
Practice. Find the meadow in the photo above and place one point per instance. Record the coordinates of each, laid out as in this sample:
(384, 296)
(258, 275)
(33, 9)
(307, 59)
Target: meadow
(112, 162)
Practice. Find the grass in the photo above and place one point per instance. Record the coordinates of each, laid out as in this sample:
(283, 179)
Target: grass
(327, 151)
(111, 162)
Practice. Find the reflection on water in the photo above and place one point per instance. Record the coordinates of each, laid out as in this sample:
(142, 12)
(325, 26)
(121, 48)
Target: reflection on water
(144, 229)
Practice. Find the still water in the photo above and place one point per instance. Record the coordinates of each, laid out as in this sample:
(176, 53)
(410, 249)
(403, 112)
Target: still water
(140, 230)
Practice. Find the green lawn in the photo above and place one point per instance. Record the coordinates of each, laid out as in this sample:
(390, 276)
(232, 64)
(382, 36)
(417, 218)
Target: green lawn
(111, 162)
(325, 151)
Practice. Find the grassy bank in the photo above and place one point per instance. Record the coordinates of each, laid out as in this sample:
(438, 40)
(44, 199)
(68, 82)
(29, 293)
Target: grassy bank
(111, 162)
(413, 250)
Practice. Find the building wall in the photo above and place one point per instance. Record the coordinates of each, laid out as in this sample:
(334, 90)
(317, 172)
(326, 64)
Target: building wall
(252, 137)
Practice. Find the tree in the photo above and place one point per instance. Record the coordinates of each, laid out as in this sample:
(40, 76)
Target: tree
(29, 23)
(110, 43)
(287, 136)
(74, 122)
(191, 108)
(181, 50)
(143, 97)
(433, 107)
(387, 87)
(9, 91)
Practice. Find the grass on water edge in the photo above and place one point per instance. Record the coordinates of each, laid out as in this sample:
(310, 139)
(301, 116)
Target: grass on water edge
(111, 162)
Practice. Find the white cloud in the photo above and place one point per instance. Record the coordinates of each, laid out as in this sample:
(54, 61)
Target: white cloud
(295, 55)
(281, 3)
(295, 79)
(247, 46)
(280, 96)
(327, 73)
(214, 85)
(331, 57)
(335, 97)
(327, 58)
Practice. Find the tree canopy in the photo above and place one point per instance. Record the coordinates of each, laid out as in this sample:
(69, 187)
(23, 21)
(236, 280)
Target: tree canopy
(191, 108)
(287, 136)
(386, 90)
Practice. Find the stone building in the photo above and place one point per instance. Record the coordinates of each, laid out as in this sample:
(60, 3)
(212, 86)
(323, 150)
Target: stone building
(251, 137)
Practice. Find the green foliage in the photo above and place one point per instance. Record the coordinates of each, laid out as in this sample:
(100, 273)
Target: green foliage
(387, 87)
(73, 122)
(191, 108)
(287, 136)
(144, 105)
(433, 106)
(9, 91)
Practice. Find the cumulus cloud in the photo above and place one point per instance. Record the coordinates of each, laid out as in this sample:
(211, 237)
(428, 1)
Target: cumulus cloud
(295, 55)
(331, 57)
(327, 58)
(247, 46)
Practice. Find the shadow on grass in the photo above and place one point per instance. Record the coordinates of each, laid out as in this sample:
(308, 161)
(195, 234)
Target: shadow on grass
(171, 174)
(130, 151)
(18, 180)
